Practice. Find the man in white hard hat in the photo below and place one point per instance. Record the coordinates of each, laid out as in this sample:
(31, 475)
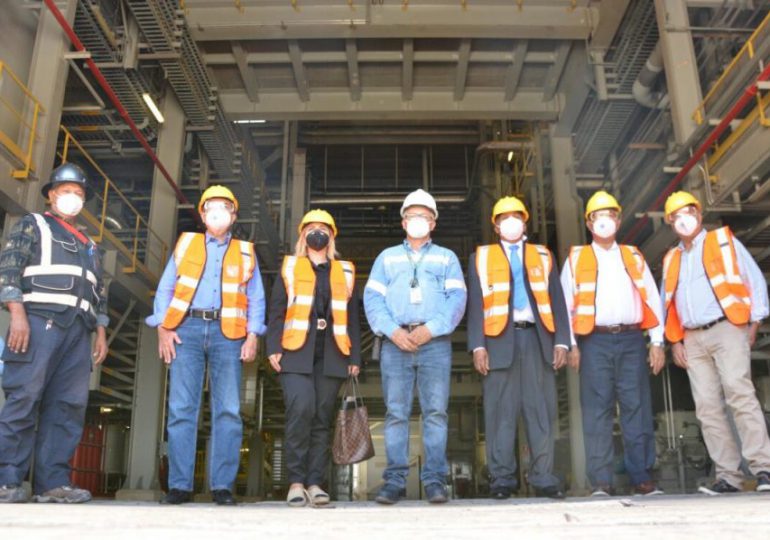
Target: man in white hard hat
(415, 297)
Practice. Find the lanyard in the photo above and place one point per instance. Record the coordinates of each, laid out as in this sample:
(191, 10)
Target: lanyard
(72, 230)
(415, 265)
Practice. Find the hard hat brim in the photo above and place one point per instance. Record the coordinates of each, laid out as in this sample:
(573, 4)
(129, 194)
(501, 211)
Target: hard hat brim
(50, 185)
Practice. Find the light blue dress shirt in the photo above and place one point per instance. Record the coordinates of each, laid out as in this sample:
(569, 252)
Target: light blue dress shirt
(696, 302)
(209, 292)
(388, 299)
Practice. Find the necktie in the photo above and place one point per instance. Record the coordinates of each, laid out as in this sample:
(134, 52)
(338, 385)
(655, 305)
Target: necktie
(519, 293)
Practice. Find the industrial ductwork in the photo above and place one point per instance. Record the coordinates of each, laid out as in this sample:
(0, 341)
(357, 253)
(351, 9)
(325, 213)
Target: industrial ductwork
(643, 85)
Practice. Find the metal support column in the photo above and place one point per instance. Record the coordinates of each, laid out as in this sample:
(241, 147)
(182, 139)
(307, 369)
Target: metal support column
(680, 65)
(149, 392)
(298, 193)
(570, 231)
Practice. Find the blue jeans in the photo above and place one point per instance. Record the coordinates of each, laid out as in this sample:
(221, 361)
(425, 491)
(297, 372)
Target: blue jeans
(202, 340)
(613, 367)
(430, 367)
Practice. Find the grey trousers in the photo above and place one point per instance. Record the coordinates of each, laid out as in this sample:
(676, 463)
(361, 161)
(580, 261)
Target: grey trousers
(47, 385)
(527, 388)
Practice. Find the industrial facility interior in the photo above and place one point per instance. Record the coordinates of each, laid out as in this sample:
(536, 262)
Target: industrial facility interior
(348, 105)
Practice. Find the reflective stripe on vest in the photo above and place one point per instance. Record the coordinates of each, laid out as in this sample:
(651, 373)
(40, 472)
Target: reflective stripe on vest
(721, 265)
(46, 268)
(584, 266)
(237, 269)
(494, 271)
(299, 280)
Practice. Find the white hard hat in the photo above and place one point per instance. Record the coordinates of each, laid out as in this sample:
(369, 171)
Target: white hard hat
(420, 198)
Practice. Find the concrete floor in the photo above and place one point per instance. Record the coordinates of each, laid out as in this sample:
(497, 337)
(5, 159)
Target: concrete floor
(733, 516)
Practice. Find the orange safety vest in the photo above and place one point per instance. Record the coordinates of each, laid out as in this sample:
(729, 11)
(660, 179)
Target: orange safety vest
(494, 270)
(299, 280)
(721, 265)
(237, 269)
(584, 266)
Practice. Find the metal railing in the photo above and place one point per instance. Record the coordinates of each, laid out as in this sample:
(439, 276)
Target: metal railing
(746, 54)
(26, 114)
(143, 247)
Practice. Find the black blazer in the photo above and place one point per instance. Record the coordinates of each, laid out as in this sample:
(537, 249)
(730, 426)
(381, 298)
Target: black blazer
(301, 361)
(500, 348)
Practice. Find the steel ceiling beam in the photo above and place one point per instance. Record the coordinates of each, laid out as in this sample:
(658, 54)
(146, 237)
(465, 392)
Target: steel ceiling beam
(556, 70)
(407, 70)
(354, 79)
(513, 72)
(248, 76)
(214, 21)
(300, 77)
(461, 73)
(381, 105)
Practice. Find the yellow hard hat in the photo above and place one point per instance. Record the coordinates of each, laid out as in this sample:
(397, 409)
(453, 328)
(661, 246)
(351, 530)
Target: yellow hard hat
(217, 192)
(509, 204)
(318, 216)
(601, 200)
(678, 200)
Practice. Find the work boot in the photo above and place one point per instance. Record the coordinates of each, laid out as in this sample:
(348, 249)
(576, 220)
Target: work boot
(64, 494)
(13, 493)
(176, 496)
(436, 493)
(223, 497)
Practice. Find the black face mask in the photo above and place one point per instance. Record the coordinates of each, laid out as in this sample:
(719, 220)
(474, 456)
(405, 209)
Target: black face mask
(317, 240)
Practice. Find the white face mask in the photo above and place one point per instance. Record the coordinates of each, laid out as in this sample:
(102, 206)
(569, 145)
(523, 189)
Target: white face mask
(69, 204)
(605, 227)
(417, 227)
(218, 219)
(511, 229)
(686, 224)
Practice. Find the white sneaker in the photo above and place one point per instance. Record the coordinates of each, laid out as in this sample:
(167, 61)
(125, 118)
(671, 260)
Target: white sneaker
(64, 494)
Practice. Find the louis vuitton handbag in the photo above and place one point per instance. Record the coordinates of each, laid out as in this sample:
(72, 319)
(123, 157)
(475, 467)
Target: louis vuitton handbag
(352, 439)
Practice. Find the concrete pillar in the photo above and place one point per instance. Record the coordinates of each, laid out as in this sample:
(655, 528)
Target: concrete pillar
(680, 65)
(298, 198)
(147, 422)
(46, 79)
(570, 230)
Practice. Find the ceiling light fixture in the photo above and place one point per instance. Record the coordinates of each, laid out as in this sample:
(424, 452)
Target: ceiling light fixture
(153, 108)
(510, 155)
(260, 121)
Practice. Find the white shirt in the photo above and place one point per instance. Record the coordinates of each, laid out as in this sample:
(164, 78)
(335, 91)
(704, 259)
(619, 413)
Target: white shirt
(617, 300)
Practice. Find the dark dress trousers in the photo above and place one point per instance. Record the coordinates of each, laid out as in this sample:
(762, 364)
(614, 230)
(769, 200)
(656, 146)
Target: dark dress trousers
(521, 380)
(311, 378)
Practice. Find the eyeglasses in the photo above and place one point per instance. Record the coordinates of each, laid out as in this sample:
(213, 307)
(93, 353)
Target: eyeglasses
(426, 217)
(690, 210)
(604, 213)
(219, 205)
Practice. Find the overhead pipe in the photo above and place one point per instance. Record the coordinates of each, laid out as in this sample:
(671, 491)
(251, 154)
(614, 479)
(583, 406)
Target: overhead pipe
(748, 95)
(119, 106)
(642, 88)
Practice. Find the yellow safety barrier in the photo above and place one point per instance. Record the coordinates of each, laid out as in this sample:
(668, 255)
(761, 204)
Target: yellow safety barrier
(141, 235)
(747, 51)
(26, 113)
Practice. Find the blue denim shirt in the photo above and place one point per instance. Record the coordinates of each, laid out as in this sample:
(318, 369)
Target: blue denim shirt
(695, 300)
(209, 293)
(387, 298)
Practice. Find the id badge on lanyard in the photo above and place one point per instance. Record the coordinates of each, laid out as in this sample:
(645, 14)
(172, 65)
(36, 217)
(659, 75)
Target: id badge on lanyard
(415, 292)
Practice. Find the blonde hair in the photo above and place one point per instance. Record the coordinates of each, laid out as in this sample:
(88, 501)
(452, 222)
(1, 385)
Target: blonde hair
(300, 249)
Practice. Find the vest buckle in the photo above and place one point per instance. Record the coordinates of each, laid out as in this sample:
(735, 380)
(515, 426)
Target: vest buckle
(321, 324)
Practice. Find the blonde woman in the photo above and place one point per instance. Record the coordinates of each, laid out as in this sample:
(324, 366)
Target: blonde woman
(314, 344)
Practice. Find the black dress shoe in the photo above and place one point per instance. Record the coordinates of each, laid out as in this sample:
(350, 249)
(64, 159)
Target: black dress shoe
(552, 492)
(176, 496)
(500, 493)
(223, 497)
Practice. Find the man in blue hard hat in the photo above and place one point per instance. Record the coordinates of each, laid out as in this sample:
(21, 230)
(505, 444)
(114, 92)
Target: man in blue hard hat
(51, 283)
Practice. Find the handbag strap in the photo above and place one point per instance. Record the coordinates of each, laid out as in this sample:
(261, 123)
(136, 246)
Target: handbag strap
(352, 382)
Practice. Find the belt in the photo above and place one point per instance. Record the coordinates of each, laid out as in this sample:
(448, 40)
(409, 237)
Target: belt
(616, 328)
(205, 314)
(411, 326)
(522, 325)
(708, 325)
(321, 324)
